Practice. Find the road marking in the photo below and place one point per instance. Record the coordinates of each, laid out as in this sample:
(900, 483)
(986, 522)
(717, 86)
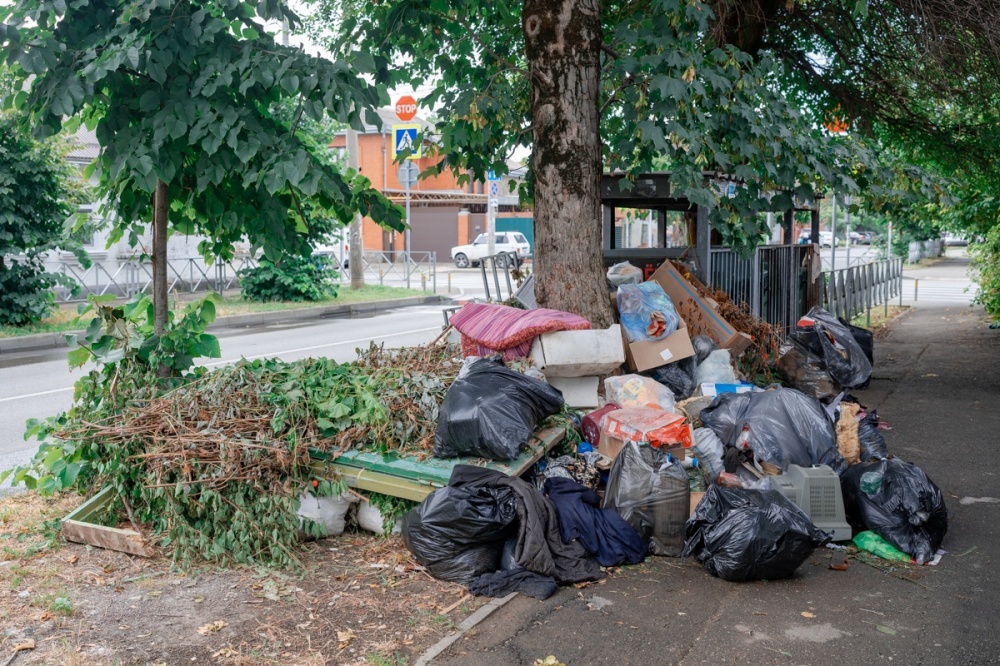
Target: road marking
(36, 395)
(323, 346)
(248, 358)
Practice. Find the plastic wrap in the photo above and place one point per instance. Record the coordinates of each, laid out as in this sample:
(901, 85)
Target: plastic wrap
(459, 533)
(806, 372)
(782, 426)
(870, 438)
(624, 273)
(657, 427)
(646, 312)
(742, 535)
(703, 346)
(652, 495)
(865, 340)
(897, 501)
(717, 368)
(845, 360)
(629, 391)
(492, 412)
(708, 449)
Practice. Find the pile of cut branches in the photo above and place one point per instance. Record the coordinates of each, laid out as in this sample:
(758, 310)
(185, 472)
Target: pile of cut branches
(216, 465)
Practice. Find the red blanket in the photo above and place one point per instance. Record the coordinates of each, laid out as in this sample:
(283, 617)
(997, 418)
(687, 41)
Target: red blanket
(488, 329)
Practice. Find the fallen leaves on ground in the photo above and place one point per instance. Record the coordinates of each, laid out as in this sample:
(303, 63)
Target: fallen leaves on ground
(345, 637)
(211, 627)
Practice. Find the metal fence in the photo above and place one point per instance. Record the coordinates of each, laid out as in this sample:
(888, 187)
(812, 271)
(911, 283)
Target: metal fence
(849, 292)
(128, 277)
(773, 281)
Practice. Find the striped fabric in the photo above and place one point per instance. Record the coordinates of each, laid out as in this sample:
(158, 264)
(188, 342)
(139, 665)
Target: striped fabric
(488, 328)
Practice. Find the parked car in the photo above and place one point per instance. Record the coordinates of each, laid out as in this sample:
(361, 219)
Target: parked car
(951, 239)
(826, 239)
(511, 243)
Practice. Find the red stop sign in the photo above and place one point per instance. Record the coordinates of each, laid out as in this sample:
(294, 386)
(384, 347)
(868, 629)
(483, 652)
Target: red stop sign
(406, 108)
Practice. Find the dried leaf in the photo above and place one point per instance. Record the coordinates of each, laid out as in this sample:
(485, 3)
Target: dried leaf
(886, 630)
(211, 627)
(345, 637)
(25, 645)
(73, 559)
(807, 614)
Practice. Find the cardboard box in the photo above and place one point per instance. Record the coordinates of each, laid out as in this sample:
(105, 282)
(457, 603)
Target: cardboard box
(695, 500)
(578, 392)
(711, 389)
(610, 446)
(579, 353)
(649, 354)
(698, 313)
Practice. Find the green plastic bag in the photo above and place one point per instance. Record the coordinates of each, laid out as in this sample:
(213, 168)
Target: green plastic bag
(876, 545)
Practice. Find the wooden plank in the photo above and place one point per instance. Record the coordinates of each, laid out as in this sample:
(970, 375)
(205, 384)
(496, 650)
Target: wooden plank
(414, 478)
(111, 538)
(78, 528)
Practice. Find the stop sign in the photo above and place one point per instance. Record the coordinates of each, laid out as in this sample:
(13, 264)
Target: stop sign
(406, 108)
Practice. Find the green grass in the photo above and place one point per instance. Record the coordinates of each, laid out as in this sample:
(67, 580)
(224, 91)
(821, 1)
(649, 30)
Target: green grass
(63, 319)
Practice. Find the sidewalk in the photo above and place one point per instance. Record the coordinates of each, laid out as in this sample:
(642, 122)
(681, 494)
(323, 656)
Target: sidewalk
(947, 280)
(937, 381)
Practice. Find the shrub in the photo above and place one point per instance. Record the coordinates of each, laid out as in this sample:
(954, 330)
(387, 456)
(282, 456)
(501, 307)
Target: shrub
(291, 279)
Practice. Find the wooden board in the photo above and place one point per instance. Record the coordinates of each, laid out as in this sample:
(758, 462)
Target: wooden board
(413, 478)
(77, 527)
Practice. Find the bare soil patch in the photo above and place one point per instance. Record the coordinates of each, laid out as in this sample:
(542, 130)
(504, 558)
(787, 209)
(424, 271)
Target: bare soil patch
(358, 599)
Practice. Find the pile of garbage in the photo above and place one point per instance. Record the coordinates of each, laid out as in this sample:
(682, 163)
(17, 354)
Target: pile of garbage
(679, 454)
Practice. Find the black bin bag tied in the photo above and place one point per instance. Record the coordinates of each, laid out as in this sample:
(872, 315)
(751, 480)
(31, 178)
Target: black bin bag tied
(492, 412)
(897, 501)
(742, 535)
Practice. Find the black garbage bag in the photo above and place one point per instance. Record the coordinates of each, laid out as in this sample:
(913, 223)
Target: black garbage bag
(897, 501)
(741, 535)
(871, 439)
(652, 495)
(677, 376)
(492, 412)
(832, 341)
(703, 346)
(806, 371)
(784, 427)
(459, 533)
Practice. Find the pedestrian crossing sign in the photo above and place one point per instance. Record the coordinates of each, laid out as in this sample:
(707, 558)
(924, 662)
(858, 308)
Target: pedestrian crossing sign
(404, 137)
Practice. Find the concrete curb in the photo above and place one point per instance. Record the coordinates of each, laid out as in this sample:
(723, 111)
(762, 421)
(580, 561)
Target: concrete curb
(56, 340)
(427, 657)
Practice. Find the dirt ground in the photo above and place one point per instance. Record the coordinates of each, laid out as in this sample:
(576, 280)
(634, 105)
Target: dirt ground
(359, 599)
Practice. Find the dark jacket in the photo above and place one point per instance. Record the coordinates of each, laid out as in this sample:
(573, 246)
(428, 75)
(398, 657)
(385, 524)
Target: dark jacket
(539, 545)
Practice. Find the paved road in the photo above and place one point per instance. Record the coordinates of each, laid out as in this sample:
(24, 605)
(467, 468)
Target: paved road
(39, 384)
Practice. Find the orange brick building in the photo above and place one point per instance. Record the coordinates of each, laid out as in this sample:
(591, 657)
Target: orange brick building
(442, 212)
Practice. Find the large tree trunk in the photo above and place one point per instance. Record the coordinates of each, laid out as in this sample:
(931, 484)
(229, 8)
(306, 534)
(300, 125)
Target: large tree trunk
(160, 201)
(563, 40)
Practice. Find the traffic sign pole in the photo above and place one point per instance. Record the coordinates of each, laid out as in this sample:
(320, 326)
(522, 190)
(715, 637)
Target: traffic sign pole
(492, 200)
(407, 175)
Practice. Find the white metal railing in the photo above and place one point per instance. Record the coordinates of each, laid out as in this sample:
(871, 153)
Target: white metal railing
(849, 292)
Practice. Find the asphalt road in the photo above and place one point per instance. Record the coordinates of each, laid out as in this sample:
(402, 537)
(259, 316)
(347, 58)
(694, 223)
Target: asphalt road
(39, 384)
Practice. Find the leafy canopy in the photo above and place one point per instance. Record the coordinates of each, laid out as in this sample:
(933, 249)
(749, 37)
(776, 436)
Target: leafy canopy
(671, 98)
(182, 91)
(36, 203)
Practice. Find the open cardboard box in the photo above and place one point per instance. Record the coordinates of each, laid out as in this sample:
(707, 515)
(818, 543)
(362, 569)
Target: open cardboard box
(649, 354)
(700, 314)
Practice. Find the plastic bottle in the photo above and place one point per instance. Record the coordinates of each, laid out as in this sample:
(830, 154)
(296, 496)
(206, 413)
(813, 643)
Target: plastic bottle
(871, 482)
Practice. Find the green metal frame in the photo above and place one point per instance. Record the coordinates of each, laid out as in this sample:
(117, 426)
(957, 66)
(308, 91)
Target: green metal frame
(413, 477)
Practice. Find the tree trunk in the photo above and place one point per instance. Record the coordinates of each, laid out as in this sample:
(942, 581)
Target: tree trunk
(160, 201)
(563, 40)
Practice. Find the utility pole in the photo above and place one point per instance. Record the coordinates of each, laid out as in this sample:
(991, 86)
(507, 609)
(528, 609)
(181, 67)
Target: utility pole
(356, 250)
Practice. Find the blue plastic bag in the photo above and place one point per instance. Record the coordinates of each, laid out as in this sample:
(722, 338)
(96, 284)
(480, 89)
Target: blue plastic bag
(646, 312)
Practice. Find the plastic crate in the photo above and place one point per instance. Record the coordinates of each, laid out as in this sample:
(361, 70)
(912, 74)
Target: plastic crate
(816, 490)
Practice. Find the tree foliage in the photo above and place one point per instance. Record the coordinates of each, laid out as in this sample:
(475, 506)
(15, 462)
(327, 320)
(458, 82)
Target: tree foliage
(36, 204)
(183, 93)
